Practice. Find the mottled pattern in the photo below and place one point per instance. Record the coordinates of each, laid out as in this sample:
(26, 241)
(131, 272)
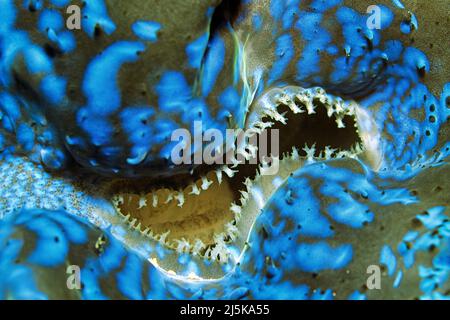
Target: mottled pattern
(84, 112)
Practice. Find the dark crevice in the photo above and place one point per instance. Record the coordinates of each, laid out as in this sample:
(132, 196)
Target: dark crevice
(226, 12)
(316, 129)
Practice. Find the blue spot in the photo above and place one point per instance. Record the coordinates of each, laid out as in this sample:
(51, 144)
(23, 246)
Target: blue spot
(257, 22)
(388, 258)
(214, 63)
(136, 123)
(37, 60)
(316, 257)
(276, 9)
(95, 14)
(196, 50)
(52, 246)
(25, 136)
(146, 30)
(60, 3)
(356, 295)
(99, 129)
(317, 39)
(173, 91)
(284, 52)
(54, 88)
(230, 102)
(398, 4)
(324, 5)
(100, 81)
(129, 279)
(7, 15)
(50, 19)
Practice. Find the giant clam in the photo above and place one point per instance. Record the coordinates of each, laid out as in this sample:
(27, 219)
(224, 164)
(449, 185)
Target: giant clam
(86, 176)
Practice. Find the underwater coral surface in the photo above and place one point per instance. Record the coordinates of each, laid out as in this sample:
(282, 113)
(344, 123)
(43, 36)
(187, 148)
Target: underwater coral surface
(355, 96)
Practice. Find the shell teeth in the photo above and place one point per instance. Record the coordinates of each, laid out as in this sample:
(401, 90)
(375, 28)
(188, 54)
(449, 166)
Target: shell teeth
(180, 198)
(323, 99)
(310, 108)
(341, 154)
(229, 172)
(132, 222)
(142, 202)
(138, 227)
(330, 111)
(251, 153)
(310, 151)
(274, 114)
(302, 98)
(243, 153)
(296, 109)
(219, 252)
(329, 152)
(197, 247)
(163, 237)
(264, 125)
(195, 190)
(286, 100)
(320, 91)
(169, 198)
(351, 153)
(358, 148)
(264, 168)
(264, 162)
(244, 194)
(154, 200)
(339, 122)
(206, 183)
(235, 208)
(235, 162)
(339, 106)
(126, 218)
(280, 117)
(208, 252)
(219, 176)
(232, 231)
(254, 130)
(248, 183)
(243, 200)
(350, 109)
(295, 155)
(182, 245)
(146, 231)
(118, 200)
(268, 109)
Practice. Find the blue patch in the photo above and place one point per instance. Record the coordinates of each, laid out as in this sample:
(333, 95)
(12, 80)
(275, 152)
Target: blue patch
(284, 53)
(213, 65)
(146, 30)
(96, 15)
(54, 88)
(321, 256)
(196, 50)
(100, 80)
